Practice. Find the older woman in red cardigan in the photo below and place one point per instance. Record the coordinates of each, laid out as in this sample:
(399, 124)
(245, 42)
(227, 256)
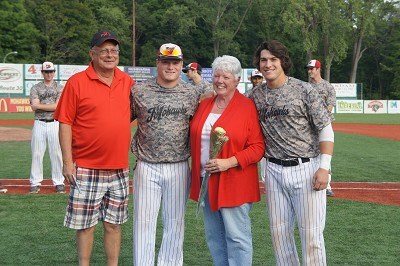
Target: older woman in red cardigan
(234, 184)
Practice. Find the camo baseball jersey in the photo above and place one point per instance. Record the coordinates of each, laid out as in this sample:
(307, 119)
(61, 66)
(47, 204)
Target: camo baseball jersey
(204, 84)
(327, 91)
(285, 114)
(163, 117)
(46, 95)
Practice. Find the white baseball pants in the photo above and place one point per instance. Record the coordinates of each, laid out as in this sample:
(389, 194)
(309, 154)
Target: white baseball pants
(290, 197)
(154, 185)
(44, 133)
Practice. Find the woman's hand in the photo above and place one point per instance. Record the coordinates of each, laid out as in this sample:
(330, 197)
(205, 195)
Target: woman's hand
(220, 165)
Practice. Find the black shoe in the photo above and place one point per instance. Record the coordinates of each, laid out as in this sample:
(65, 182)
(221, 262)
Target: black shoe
(34, 190)
(60, 189)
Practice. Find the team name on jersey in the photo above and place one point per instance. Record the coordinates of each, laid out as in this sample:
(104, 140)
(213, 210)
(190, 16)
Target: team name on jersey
(160, 111)
(268, 112)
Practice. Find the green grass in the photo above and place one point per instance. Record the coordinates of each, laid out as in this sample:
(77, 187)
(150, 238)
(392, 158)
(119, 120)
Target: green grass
(356, 233)
(32, 234)
(367, 159)
(368, 118)
(18, 116)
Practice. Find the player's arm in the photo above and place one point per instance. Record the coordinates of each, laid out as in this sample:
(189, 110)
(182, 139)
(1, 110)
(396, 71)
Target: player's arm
(36, 105)
(326, 143)
(65, 136)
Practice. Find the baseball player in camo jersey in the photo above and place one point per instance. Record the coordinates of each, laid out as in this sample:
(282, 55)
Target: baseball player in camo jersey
(193, 73)
(44, 98)
(299, 146)
(163, 107)
(328, 93)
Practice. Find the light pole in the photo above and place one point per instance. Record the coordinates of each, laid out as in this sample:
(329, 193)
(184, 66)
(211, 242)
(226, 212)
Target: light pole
(13, 52)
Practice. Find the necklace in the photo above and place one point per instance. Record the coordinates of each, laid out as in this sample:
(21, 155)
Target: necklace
(279, 87)
(219, 107)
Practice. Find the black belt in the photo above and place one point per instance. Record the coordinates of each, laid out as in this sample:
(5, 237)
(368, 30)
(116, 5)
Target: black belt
(287, 163)
(46, 120)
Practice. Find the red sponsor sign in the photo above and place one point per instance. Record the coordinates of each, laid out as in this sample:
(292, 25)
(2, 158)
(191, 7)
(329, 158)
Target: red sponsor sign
(15, 105)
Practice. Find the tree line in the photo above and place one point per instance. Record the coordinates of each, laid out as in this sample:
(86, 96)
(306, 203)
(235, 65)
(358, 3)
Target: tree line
(357, 41)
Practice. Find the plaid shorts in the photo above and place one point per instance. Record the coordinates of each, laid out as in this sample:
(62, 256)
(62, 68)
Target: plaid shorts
(103, 197)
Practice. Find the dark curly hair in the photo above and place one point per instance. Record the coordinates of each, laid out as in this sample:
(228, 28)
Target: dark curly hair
(277, 49)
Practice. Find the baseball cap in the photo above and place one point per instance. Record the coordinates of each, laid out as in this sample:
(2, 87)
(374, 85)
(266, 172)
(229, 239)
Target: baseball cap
(169, 51)
(313, 63)
(48, 66)
(194, 66)
(101, 36)
(256, 73)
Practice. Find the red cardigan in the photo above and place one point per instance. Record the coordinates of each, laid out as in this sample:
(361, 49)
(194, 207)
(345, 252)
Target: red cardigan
(240, 184)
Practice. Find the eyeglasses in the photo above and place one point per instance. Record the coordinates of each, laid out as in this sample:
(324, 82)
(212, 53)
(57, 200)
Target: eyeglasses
(107, 51)
(48, 71)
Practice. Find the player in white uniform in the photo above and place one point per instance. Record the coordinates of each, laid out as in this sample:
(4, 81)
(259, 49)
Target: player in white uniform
(44, 97)
(299, 146)
(328, 94)
(163, 107)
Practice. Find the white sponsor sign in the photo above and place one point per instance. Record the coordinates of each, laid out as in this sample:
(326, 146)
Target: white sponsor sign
(11, 78)
(375, 107)
(33, 71)
(247, 74)
(28, 86)
(393, 106)
(241, 87)
(345, 89)
(349, 106)
(66, 71)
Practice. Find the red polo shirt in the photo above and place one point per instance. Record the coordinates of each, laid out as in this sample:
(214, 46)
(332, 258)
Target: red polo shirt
(100, 118)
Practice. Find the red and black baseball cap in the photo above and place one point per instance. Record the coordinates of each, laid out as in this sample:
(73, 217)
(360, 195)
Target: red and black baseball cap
(101, 36)
(194, 66)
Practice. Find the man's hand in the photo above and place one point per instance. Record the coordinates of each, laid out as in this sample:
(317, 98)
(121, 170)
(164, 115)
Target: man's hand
(206, 95)
(320, 179)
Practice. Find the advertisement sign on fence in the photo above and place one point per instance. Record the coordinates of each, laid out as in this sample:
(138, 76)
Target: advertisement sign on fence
(345, 90)
(20, 105)
(375, 107)
(349, 106)
(11, 78)
(393, 106)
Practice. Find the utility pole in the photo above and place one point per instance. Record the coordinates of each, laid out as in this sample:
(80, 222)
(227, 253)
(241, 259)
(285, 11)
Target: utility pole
(133, 33)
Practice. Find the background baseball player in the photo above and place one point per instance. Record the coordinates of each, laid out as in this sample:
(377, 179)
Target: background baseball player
(328, 93)
(299, 146)
(193, 72)
(163, 107)
(44, 98)
(256, 79)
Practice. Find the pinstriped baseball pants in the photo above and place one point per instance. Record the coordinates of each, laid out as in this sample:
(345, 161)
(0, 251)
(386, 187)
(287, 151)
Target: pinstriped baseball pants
(45, 134)
(291, 198)
(154, 185)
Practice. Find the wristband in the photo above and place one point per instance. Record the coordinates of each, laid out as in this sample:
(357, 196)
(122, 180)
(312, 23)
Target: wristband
(325, 161)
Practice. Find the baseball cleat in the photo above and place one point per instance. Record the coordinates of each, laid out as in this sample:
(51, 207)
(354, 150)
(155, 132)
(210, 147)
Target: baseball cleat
(34, 190)
(60, 189)
(329, 193)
